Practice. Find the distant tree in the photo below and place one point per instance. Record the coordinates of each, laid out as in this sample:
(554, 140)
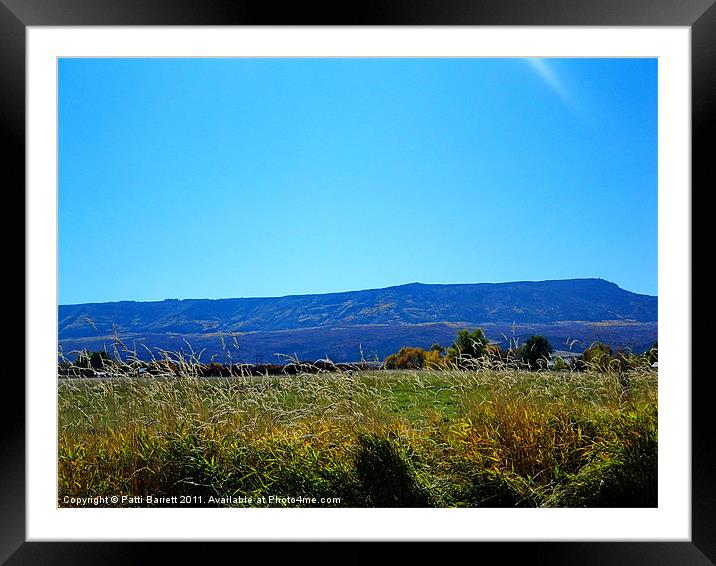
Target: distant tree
(536, 352)
(64, 367)
(433, 359)
(598, 356)
(162, 366)
(652, 354)
(94, 360)
(391, 362)
(82, 359)
(508, 355)
(625, 360)
(495, 354)
(98, 360)
(437, 348)
(560, 364)
(406, 358)
(216, 369)
(468, 346)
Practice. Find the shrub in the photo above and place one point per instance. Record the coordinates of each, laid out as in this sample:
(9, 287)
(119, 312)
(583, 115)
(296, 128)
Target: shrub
(492, 488)
(386, 474)
(621, 474)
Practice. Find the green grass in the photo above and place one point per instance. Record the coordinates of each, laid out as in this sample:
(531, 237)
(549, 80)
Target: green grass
(376, 439)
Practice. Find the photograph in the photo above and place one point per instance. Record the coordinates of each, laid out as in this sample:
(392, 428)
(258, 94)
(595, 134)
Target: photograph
(358, 282)
(420, 274)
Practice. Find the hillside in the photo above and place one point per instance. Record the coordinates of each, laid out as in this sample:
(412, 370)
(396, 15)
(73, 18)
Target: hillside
(375, 322)
(534, 302)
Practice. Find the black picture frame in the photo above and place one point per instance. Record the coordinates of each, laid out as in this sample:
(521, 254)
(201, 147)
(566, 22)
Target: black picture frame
(17, 15)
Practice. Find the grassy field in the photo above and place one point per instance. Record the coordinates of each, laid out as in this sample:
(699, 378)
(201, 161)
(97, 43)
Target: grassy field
(363, 439)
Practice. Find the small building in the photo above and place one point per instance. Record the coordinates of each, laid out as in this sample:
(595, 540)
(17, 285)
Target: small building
(570, 358)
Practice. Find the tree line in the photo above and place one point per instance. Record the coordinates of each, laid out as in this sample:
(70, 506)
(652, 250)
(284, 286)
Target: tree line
(472, 349)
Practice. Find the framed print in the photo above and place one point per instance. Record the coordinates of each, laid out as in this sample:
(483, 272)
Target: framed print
(227, 211)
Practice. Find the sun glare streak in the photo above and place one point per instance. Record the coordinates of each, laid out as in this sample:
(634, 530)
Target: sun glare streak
(542, 68)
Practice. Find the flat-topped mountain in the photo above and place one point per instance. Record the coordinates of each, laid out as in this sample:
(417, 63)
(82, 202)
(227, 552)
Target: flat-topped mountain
(589, 300)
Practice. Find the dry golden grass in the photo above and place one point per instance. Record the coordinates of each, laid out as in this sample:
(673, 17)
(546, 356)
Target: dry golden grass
(493, 436)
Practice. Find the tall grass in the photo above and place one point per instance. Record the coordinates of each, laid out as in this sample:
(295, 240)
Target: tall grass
(448, 438)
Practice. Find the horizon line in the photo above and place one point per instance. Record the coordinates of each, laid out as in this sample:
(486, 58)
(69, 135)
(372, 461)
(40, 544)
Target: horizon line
(346, 291)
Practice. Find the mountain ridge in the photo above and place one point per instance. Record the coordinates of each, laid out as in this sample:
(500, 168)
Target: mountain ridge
(402, 285)
(549, 301)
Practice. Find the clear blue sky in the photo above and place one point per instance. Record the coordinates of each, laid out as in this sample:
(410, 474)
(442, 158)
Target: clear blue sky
(211, 178)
